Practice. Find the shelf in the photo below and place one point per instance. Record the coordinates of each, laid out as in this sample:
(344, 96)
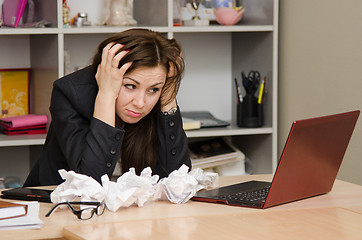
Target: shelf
(39, 139)
(102, 29)
(21, 140)
(228, 131)
(218, 28)
(186, 29)
(27, 31)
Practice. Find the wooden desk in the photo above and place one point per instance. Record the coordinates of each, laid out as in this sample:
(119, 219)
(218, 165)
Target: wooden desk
(336, 215)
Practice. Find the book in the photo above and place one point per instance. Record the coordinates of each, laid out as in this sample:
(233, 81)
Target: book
(206, 119)
(12, 11)
(213, 152)
(190, 124)
(23, 130)
(210, 147)
(29, 221)
(14, 92)
(42, 130)
(12, 210)
(24, 124)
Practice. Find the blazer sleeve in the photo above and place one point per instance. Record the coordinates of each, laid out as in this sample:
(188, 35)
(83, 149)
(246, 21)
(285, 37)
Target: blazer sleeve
(90, 146)
(173, 147)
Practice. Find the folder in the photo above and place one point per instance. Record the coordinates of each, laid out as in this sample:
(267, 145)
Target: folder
(12, 11)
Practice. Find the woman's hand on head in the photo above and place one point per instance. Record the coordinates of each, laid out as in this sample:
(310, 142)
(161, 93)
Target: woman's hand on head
(109, 77)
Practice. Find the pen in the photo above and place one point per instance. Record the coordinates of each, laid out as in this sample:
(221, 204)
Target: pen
(238, 91)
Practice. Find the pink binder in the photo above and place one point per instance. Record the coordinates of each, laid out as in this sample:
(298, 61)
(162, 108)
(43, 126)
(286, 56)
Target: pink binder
(12, 11)
(24, 121)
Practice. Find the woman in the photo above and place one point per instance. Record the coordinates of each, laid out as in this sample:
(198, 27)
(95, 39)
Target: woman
(120, 108)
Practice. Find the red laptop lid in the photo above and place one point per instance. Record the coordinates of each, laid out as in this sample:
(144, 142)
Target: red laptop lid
(311, 157)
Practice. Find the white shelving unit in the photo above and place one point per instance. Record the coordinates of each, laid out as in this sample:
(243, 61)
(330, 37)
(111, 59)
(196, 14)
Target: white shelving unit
(214, 56)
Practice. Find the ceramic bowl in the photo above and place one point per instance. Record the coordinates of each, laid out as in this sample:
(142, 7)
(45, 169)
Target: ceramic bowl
(228, 16)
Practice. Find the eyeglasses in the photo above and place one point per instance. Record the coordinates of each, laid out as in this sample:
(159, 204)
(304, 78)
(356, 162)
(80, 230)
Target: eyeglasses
(83, 213)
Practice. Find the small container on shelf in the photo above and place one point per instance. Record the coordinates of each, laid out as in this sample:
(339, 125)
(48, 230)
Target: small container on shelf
(250, 112)
(228, 16)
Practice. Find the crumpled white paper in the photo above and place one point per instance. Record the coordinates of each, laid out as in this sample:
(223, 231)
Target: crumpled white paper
(77, 185)
(179, 187)
(206, 180)
(129, 189)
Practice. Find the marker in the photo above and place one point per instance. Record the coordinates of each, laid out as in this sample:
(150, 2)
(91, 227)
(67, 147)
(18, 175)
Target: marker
(261, 91)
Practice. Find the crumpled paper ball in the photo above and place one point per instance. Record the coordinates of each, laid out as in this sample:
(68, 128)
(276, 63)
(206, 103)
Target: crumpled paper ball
(129, 189)
(77, 185)
(179, 186)
(206, 180)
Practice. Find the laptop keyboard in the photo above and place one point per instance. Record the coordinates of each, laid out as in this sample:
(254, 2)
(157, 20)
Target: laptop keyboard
(252, 196)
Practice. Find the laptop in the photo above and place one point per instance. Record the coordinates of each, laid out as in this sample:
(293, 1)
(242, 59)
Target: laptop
(308, 166)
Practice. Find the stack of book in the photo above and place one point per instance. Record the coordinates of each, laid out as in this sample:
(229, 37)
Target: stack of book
(11, 210)
(25, 124)
(15, 215)
(214, 152)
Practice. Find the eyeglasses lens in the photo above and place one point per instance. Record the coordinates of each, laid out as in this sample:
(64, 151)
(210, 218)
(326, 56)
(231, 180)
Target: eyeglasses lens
(87, 213)
(100, 209)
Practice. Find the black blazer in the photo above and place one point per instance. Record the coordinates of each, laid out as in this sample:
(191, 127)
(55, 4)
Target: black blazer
(77, 141)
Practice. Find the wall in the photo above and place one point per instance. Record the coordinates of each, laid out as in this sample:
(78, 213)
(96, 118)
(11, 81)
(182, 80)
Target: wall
(320, 53)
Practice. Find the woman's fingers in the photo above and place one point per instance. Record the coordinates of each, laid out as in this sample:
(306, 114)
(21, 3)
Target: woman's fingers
(109, 53)
(124, 68)
(105, 53)
(117, 58)
(109, 76)
(111, 56)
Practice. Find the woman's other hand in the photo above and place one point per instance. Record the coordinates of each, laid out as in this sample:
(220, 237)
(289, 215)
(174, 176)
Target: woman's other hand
(168, 97)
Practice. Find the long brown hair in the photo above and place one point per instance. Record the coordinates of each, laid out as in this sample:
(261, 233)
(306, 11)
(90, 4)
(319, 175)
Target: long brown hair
(147, 48)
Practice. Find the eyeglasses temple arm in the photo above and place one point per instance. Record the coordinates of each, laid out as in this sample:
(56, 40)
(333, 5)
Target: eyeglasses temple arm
(53, 208)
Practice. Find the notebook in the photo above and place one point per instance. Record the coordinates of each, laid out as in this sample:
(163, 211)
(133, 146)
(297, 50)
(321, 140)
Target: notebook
(308, 166)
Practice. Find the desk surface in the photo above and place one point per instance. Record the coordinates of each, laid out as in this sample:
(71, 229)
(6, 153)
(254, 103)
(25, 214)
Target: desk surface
(336, 215)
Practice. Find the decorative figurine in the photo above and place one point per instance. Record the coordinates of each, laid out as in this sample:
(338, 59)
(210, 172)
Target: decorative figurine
(195, 5)
(118, 13)
(66, 18)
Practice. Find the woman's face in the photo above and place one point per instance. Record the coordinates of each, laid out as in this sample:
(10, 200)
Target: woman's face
(140, 91)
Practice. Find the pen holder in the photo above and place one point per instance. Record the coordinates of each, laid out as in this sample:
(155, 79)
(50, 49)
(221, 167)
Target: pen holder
(249, 112)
